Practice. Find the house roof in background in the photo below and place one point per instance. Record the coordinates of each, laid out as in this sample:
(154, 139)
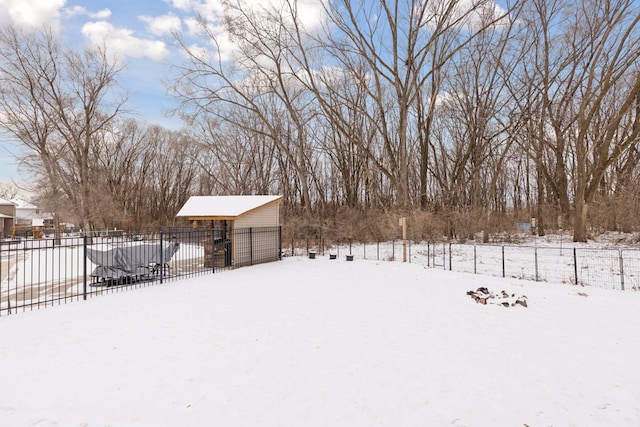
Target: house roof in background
(5, 202)
(22, 204)
(31, 215)
(224, 207)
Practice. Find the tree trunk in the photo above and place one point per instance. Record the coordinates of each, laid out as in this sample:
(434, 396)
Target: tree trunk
(562, 183)
(580, 222)
(540, 194)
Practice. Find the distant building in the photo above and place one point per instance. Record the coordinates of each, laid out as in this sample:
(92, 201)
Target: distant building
(7, 217)
(27, 214)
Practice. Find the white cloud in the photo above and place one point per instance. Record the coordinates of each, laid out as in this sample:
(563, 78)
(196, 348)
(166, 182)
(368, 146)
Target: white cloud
(212, 10)
(310, 12)
(222, 45)
(124, 42)
(162, 25)
(74, 11)
(31, 13)
(200, 52)
(101, 14)
(470, 14)
(183, 5)
(194, 28)
(82, 11)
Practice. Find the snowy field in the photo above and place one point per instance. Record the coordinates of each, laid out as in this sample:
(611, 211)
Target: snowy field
(324, 342)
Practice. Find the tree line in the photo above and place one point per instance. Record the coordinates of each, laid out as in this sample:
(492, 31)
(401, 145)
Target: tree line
(473, 113)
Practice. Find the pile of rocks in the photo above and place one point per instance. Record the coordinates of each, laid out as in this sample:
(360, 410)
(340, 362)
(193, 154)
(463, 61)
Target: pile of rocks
(482, 295)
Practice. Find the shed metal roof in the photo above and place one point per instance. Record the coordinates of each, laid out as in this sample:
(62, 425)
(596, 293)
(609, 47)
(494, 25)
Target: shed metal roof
(224, 207)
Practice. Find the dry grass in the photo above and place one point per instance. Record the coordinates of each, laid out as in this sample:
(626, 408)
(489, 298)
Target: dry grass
(380, 224)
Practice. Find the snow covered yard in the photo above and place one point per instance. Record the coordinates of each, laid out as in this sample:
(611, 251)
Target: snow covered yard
(326, 343)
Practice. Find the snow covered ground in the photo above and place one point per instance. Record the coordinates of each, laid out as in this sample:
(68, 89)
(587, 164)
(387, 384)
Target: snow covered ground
(324, 342)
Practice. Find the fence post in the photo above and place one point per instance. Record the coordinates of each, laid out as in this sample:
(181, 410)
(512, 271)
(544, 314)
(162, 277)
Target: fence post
(213, 250)
(84, 268)
(621, 269)
(575, 265)
(393, 249)
(535, 257)
(250, 245)
(409, 251)
(1, 275)
(450, 266)
(428, 254)
(475, 260)
(378, 250)
(161, 258)
(364, 250)
(280, 242)
(503, 274)
(444, 256)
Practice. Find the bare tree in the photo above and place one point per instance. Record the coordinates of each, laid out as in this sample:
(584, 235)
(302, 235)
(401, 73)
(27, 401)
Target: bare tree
(122, 165)
(477, 103)
(8, 190)
(235, 160)
(57, 102)
(544, 100)
(607, 123)
(403, 45)
(170, 177)
(258, 80)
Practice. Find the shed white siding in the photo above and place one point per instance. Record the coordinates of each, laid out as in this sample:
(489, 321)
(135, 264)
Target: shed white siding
(267, 216)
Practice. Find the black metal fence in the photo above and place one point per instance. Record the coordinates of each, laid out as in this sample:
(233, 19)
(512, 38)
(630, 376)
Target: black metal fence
(603, 268)
(37, 273)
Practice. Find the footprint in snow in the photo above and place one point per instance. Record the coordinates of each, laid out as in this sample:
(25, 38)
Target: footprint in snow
(7, 411)
(44, 423)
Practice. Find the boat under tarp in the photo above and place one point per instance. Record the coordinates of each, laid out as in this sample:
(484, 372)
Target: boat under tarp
(130, 263)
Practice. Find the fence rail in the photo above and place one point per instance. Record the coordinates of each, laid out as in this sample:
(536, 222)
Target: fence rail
(603, 268)
(43, 272)
(36, 273)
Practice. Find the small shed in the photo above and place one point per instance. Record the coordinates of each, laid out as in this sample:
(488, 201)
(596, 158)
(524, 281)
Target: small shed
(245, 229)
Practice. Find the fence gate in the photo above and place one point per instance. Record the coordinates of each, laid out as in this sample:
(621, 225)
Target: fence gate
(439, 255)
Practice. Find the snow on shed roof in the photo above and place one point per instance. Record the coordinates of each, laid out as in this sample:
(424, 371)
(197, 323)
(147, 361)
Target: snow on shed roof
(224, 206)
(6, 202)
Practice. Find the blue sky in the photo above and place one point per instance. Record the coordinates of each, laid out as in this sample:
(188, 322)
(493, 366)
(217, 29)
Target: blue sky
(138, 30)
